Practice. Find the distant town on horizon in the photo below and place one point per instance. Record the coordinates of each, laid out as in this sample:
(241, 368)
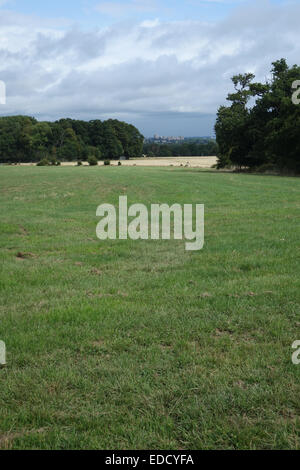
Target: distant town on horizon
(173, 139)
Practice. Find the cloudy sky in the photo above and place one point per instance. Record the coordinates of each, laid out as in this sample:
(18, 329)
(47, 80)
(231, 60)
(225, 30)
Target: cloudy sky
(163, 65)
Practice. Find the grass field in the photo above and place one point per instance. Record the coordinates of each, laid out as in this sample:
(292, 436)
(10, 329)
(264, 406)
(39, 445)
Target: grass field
(140, 344)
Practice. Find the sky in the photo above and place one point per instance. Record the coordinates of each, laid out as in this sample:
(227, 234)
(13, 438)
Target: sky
(162, 65)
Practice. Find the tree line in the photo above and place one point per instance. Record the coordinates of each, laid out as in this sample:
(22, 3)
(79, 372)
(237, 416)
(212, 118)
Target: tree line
(205, 147)
(24, 139)
(261, 127)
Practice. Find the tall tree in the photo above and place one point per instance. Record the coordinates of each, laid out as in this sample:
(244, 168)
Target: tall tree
(267, 132)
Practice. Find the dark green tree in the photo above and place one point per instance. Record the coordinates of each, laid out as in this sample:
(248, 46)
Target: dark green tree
(266, 133)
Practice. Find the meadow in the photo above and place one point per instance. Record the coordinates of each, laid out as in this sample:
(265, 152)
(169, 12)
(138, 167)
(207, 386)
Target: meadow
(141, 344)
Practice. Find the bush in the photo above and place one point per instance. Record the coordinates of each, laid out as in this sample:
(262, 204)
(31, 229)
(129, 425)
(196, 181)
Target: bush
(92, 161)
(79, 163)
(267, 168)
(53, 161)
(119, 164)
(93, 152)
(43, 162)
(107, 162)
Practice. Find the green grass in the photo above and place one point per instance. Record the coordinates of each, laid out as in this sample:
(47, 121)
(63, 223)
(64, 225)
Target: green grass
(140, 344)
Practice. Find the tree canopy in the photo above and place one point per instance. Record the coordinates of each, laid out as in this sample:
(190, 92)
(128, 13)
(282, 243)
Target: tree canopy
(261, 126)
(24, 139)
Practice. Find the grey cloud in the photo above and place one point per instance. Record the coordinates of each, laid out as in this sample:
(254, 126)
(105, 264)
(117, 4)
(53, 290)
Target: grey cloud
(159, 71)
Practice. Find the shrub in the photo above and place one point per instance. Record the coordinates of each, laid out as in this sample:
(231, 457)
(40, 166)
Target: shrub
(93, 152)
(55, 163)
(43, 162)
(79, 163)
(119, 164)
(106, 162)
(93, 161)
(267, 168)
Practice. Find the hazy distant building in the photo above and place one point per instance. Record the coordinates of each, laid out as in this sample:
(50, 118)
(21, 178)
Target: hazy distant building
(166, 139)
